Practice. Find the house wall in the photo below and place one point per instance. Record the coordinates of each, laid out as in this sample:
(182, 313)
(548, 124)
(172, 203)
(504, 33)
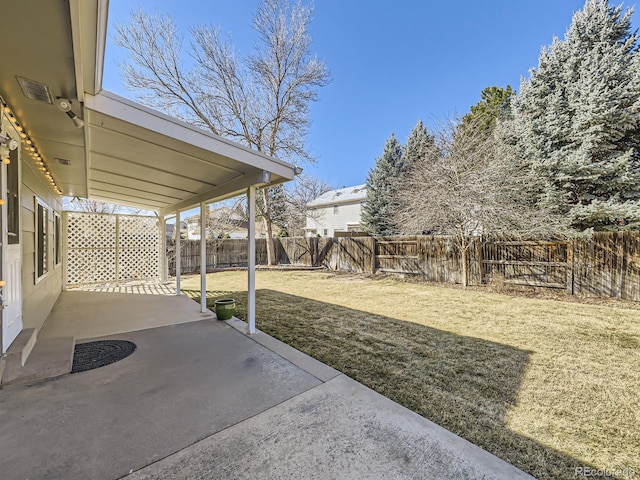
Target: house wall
(323, 217)
(38, 296)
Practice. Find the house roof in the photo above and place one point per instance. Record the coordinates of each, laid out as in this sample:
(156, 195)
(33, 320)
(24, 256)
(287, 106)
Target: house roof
(341, 195)
(125, 153)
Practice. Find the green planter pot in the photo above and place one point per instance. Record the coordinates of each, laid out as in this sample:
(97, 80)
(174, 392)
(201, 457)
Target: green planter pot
(225, 308)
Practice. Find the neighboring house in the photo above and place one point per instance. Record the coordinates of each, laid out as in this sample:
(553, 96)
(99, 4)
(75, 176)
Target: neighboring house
(170, 230)
(336, 211)
(62, 134)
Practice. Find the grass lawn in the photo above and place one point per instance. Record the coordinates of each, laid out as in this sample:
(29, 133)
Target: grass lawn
(545, 384)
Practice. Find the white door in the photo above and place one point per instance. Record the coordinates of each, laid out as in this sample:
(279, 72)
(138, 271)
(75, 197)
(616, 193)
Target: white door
(11, 253)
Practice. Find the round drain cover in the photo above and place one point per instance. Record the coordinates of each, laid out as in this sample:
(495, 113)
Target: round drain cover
(90, 355)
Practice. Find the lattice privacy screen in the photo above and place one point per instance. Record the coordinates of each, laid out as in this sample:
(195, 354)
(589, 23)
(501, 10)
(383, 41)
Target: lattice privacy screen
(103, 248)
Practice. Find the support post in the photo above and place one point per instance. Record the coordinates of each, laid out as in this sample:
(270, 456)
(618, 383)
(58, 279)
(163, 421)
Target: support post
(117, 249)
(162, 270)
(178, 251)
(251, 270)
(203, 257)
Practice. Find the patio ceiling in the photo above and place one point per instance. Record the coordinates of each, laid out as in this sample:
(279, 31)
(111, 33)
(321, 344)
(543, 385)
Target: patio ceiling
(126, 153)
(138, 156)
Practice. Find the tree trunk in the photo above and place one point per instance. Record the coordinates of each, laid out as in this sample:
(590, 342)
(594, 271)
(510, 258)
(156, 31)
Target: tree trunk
(271, 251)
(268, 225)
(464, 254)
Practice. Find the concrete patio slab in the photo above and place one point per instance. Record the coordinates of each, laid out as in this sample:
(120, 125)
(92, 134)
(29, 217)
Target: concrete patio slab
(183, 383)
(339, 430)
(51, 357)
(303, 361)
(83, 314)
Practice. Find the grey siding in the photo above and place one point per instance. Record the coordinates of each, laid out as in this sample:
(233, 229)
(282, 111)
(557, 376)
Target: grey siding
(38, 297)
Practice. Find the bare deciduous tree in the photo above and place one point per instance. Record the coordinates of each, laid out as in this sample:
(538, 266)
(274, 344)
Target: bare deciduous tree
(471, 184)
(78, 204)
(261, 100)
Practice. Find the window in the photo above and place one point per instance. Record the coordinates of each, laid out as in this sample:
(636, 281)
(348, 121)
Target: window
(325, 232)
(42, 231)
(13, 199)
(56, 239)
(335, 209)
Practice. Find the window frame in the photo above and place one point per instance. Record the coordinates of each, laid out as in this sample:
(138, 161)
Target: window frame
(57, 239)
(41, 244)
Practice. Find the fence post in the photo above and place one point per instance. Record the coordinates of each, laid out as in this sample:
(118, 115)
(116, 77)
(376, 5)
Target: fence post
(476, 272)
(373, 255)
(570, 262)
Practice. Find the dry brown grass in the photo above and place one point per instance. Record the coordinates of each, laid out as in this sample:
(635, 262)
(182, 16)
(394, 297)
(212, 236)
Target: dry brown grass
(543, 383)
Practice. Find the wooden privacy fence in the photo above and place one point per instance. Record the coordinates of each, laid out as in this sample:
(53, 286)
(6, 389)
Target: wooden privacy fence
(607, 264)
(537, 263)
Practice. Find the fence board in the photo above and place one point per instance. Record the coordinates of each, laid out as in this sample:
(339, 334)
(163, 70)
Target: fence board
(526, 262)
(607, 264)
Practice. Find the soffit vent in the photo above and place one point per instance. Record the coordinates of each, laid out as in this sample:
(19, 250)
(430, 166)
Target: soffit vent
(35, 90)
(63, 161)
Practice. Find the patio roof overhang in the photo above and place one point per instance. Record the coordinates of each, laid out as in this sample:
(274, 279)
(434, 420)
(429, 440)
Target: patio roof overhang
(140, 157)
(125, 153)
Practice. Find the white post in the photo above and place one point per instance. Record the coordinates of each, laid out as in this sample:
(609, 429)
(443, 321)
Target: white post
(162, 270)
(251, 270)
(177, 230)
(203, 257)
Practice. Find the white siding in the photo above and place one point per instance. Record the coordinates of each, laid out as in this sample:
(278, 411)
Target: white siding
(323, 217)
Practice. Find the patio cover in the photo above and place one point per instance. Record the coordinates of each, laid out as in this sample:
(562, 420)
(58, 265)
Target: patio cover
(140, 157)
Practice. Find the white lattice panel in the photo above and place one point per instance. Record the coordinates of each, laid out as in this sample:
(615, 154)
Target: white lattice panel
(91, 266)
(136, 264)
(110, 248)
(138, 232)
(91, 230)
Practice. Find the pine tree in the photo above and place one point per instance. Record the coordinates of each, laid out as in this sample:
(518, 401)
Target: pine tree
(419, 145)
(494, 105)
(277, 211)
(377, 213)
(577, 119)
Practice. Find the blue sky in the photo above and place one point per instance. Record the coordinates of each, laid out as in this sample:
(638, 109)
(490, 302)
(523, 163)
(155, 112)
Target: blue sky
(391, 63)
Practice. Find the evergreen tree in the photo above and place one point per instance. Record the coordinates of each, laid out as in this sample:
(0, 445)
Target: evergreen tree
(494, 105)
(419, 145)
(277, 208)
(577, 119)
(377, 216)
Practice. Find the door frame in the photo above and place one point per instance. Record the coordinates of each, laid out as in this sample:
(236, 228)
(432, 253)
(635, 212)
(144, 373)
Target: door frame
(4, 244)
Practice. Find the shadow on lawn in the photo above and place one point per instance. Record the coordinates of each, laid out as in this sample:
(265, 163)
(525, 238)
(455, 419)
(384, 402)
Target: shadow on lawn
(464, 384)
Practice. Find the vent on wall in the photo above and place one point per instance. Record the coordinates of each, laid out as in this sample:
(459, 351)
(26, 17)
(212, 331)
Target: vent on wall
(35, 90)
(63, 161)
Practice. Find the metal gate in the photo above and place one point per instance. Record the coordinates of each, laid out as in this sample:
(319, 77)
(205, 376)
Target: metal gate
(110, 248)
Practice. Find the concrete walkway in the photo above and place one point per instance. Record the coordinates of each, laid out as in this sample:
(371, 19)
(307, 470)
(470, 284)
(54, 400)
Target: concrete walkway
(203, 400)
